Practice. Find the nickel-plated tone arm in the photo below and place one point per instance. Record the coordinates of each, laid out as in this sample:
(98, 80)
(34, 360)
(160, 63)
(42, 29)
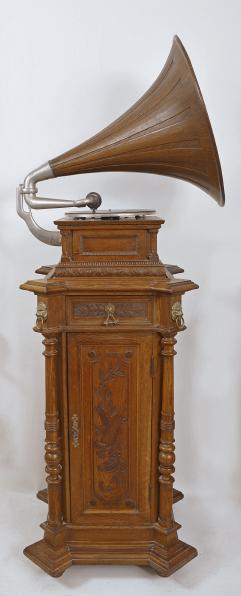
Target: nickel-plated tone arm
(28, 192)
(47, 236)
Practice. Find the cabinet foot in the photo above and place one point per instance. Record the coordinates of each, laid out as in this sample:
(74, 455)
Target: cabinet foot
(167, 560)
(52, 560)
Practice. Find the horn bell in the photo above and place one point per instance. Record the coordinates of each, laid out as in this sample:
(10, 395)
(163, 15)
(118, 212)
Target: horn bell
(166, 132)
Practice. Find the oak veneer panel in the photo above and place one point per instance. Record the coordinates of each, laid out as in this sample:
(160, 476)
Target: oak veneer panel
(104, 244)
(110, 387)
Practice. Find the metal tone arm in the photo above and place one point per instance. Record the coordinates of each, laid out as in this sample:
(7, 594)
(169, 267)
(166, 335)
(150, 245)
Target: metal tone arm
(28, 192)
(47, 236)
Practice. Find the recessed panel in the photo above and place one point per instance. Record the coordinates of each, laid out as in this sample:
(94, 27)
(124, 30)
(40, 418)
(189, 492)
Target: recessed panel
(111, 406)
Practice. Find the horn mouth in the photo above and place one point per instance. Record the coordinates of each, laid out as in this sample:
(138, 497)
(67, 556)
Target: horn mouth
(218, 193)
(166, 132)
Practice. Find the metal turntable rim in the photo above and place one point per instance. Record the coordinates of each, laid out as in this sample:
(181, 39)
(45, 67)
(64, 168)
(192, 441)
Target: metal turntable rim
(110, 212)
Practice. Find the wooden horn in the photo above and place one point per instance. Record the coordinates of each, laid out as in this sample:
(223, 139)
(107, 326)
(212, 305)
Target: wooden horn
(166, 132)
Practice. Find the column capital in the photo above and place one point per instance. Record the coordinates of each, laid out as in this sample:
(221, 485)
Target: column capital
(167, 346)
(50, 343)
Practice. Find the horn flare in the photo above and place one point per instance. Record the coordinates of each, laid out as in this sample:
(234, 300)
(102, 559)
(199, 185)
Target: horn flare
(166, 132)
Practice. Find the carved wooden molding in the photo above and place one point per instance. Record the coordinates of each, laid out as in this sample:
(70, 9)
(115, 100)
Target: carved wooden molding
(108, 434)
(122, 309)
(149, 269)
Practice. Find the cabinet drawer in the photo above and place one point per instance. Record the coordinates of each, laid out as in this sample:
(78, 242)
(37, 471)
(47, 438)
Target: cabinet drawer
(109, 312)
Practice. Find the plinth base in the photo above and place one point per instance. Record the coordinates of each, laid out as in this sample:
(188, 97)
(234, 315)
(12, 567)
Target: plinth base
(165, 560)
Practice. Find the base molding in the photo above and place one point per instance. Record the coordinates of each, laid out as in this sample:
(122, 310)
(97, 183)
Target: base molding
(163, 558)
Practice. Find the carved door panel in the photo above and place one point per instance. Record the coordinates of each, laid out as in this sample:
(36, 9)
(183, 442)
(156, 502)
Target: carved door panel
(110, 400)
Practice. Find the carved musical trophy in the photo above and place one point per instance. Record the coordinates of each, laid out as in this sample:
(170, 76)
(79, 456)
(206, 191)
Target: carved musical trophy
(109, 312)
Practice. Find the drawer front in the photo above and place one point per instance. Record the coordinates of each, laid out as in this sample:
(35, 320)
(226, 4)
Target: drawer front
(109, 312)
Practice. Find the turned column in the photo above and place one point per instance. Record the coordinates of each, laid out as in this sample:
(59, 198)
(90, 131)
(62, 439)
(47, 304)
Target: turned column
(167, 442)
(53, 438)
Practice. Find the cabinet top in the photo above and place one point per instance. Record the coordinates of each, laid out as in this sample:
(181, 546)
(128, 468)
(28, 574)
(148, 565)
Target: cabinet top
(111, 254)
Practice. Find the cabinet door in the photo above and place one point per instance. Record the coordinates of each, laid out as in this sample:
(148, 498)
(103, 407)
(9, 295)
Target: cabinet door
(110, 400)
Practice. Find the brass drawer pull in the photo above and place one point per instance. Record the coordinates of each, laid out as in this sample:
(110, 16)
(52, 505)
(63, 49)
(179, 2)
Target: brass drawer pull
(110, 311)
(75, 430)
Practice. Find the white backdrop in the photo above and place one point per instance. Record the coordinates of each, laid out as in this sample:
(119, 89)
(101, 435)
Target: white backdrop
(67, 70)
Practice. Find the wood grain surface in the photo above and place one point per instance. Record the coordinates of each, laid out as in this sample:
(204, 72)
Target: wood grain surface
(109, 405)
(166, 132)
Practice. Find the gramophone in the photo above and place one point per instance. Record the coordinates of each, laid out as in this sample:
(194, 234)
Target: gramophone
(109, 312)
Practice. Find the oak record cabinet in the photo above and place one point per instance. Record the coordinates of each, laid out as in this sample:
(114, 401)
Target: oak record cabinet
(109, 313)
